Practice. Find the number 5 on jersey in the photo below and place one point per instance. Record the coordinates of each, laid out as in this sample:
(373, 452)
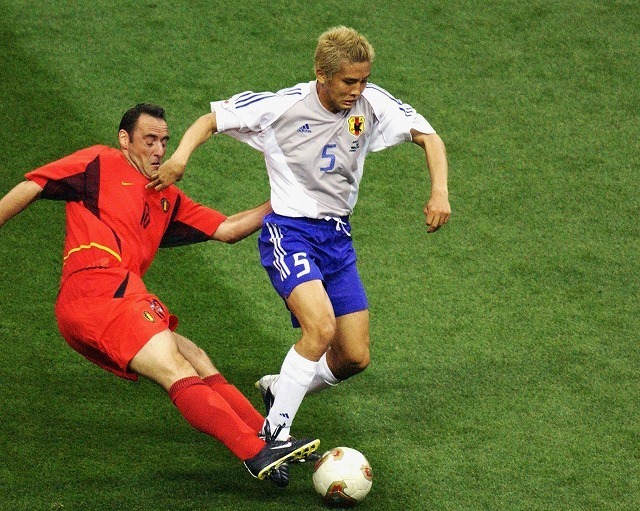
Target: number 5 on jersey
(327, 154)
(300, 259)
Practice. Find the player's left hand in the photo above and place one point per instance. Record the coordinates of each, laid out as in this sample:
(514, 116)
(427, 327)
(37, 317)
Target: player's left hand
(168, 173)
(437, 211)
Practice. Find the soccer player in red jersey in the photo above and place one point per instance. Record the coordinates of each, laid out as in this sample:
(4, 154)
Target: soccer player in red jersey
(114, 227)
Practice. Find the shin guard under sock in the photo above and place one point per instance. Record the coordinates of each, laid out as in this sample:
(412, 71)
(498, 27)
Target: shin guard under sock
(236, 400)
(208, 412)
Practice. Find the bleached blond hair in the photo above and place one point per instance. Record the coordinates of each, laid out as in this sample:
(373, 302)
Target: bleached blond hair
(341, 44)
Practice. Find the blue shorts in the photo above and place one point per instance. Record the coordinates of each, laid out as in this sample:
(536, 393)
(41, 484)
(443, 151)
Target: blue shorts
(297, 250)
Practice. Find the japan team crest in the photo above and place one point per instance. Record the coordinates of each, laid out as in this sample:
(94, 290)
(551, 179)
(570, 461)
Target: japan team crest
(356, 125)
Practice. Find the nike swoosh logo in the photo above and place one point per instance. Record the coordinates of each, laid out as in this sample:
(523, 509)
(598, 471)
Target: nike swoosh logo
(124, 183)
(282, 446)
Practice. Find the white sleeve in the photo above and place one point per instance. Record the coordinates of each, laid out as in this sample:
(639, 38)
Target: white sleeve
(254, 111)
(395, 119)
(225, 118)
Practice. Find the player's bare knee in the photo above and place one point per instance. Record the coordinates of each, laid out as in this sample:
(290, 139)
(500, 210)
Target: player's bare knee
(363, 361)
(358, 360)
(327, 331)
(318, 337)
(198, 355)
(355, 360)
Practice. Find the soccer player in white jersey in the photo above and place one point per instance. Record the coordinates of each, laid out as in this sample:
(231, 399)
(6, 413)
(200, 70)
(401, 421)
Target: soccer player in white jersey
(315, 137)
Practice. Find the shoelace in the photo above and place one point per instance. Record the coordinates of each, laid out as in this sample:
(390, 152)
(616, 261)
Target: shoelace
(268, 435)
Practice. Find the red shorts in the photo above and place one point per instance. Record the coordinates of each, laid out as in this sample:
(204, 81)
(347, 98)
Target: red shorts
(107, 315)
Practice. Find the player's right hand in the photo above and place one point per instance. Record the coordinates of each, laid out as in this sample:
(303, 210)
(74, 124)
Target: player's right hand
(168, 173)
(437, 211)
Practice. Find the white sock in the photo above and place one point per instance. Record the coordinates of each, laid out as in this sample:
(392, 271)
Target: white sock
(296, 374)
(323, 378)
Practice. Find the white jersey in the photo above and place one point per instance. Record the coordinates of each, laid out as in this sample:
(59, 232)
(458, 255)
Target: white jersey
(314, 157)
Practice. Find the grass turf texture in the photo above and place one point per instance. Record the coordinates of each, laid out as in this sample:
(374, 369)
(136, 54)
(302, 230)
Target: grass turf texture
(505, 347)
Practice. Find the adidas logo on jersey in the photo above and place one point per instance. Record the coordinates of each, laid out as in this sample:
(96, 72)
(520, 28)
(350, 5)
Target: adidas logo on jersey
(304, 129)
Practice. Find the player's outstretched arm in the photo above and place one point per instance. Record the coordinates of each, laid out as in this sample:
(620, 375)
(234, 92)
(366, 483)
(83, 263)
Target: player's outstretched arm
(18, 199)
(437, 210)
(173, 169)
(239, 226)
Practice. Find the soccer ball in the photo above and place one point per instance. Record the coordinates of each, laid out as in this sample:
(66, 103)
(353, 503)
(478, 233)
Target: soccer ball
(342, 477)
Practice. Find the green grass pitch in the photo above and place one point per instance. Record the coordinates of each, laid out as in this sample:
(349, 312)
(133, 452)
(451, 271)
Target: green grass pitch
(506, 362)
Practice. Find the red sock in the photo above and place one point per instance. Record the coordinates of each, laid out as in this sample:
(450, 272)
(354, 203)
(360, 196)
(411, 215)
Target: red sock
(236, 400)
(207, 411)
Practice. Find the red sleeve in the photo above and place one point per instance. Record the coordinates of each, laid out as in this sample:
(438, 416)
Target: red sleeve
(63, 179)
(191, 223)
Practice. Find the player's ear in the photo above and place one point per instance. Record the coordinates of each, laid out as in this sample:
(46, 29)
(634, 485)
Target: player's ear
(321, 76)
(123, 138)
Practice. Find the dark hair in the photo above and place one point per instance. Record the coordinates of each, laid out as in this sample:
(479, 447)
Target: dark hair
(131, 116)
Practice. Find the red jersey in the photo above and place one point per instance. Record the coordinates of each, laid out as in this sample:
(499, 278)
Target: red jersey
(112, 220)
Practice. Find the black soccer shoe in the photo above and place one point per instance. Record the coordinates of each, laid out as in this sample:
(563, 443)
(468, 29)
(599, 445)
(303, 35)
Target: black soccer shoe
(280, 475)
(310, 459)
(264, 385)
(275, 453)
(269, 436)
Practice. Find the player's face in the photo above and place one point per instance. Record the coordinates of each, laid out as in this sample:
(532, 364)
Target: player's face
(342, 90)
(146, 148)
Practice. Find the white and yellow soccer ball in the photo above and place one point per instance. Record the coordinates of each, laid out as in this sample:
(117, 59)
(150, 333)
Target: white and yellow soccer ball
(342, 477)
